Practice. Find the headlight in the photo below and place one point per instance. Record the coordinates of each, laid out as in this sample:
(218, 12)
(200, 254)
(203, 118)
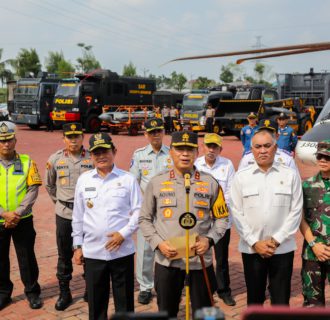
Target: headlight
(202, 120)
(34, 111)
(75, 109)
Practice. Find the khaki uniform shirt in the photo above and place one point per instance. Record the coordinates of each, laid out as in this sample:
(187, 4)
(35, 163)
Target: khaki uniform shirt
(165, 201)
(210, 113)
(61, 177)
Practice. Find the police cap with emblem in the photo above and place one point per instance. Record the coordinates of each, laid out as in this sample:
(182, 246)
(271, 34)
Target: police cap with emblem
(72, 128)
(267, 124)
(7, 130)
(184, 138)
(252, 115)
(154, 124)
(283, 116)
(213, 138)
(323, 147)
(100, 140)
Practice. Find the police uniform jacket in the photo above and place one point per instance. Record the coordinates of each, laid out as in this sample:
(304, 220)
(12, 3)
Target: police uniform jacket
(164, 202)
(104, 205)
(270, 206)
(223, 171)
(287, 139)
(62, 173)
(247, 133)
(281, 156)
(32, 183)
(146, 163)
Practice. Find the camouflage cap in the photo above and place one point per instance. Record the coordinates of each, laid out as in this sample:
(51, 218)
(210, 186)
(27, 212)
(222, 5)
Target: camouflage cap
(7, 130)
(323, 147)
(154, 124)
(100, 140)
(184, 138)
(72, 128)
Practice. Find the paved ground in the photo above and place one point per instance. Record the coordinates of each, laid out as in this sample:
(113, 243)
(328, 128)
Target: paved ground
(39, 145)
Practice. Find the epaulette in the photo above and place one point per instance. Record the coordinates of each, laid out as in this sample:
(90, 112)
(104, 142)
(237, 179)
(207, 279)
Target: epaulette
(285, 151)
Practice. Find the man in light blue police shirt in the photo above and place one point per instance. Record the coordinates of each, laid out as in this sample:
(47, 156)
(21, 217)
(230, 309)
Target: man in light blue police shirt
(287, 139)
(248, 131)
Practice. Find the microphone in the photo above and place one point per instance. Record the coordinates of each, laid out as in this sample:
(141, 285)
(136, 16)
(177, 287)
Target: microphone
(187, 182)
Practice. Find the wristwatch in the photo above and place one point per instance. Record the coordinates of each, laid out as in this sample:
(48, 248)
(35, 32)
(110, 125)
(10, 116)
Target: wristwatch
(312, 243)
(78, 246)
(211, 241)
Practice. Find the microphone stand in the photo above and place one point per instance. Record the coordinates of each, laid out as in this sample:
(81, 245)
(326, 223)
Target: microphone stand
(187, 187)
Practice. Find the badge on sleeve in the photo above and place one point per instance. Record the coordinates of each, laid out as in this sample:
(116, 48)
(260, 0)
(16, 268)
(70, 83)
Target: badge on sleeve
(220, 209)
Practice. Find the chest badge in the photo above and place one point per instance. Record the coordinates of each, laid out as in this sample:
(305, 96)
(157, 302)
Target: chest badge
(145, 172)
(167, 213)
(187, 220)
(90, 203)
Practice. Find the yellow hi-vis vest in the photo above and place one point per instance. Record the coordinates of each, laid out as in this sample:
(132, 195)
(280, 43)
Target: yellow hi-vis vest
(13, 185)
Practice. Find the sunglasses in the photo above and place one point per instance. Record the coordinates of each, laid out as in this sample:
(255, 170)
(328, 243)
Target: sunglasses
(320, 156)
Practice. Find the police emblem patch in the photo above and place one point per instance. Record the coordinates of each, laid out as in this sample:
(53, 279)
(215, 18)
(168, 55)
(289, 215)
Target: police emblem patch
(167, 213)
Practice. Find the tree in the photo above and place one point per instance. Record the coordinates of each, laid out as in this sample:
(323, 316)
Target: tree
(226, 75)
(178, 81)
(259, 69)
(88, 61)
(5, 74)
(26, 61)
(56, 63)
(203, 83)
(129, 70)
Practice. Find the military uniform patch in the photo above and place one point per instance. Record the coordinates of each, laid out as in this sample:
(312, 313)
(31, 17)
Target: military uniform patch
(167, 213)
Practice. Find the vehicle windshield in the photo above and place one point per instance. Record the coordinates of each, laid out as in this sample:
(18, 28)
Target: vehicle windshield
(70, 89)
(194, 102)
(27, 89)
(325, 113)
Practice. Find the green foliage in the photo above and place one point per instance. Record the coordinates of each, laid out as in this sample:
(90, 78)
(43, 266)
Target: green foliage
(3, 95)
(226, 75)
(259, 69)
(178, 81)
(26, 61)
(87, 62)
(5, 74)
(129, 70)
(56, 63)
(203, 83)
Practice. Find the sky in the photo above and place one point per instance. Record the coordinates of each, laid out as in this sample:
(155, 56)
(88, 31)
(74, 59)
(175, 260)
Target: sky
(149, 33)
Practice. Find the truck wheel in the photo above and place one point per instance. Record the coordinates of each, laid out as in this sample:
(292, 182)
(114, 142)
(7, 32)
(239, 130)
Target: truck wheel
(133, 131)
(34, 126)
(305, 125)
(93, 123)
(216, 128)
(114, 131)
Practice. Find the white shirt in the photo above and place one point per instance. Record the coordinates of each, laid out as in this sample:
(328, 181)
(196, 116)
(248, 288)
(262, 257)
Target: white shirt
(280, 156)
(267, 204)
(223, 171)
(116, 202)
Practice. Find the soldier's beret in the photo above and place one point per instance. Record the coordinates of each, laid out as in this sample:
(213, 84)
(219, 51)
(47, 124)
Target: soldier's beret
(184, 138)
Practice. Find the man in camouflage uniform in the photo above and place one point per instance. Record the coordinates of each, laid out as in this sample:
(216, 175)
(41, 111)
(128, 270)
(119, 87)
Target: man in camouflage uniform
(63, 169)
(315, 228)
(163, 204)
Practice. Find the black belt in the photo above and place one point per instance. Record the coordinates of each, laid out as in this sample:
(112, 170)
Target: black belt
(67, 204)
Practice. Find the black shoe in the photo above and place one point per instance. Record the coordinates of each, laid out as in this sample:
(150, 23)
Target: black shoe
(4, 302)
(63, 301)
(85, 297)
(35, 302)
(227, 299)
(144, 297)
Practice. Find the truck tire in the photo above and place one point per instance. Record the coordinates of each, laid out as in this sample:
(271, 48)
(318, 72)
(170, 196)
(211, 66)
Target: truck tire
(34, 126)
(93, 123)
(305, 125)
(133, 131)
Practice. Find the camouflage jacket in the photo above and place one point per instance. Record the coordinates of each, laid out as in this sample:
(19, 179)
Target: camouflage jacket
(316, 192)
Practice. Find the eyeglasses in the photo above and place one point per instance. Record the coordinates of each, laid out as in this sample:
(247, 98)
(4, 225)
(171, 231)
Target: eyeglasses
(266, 146)
(320, 156)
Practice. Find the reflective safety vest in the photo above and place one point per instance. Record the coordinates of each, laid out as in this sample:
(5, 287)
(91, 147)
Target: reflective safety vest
(13, 184)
